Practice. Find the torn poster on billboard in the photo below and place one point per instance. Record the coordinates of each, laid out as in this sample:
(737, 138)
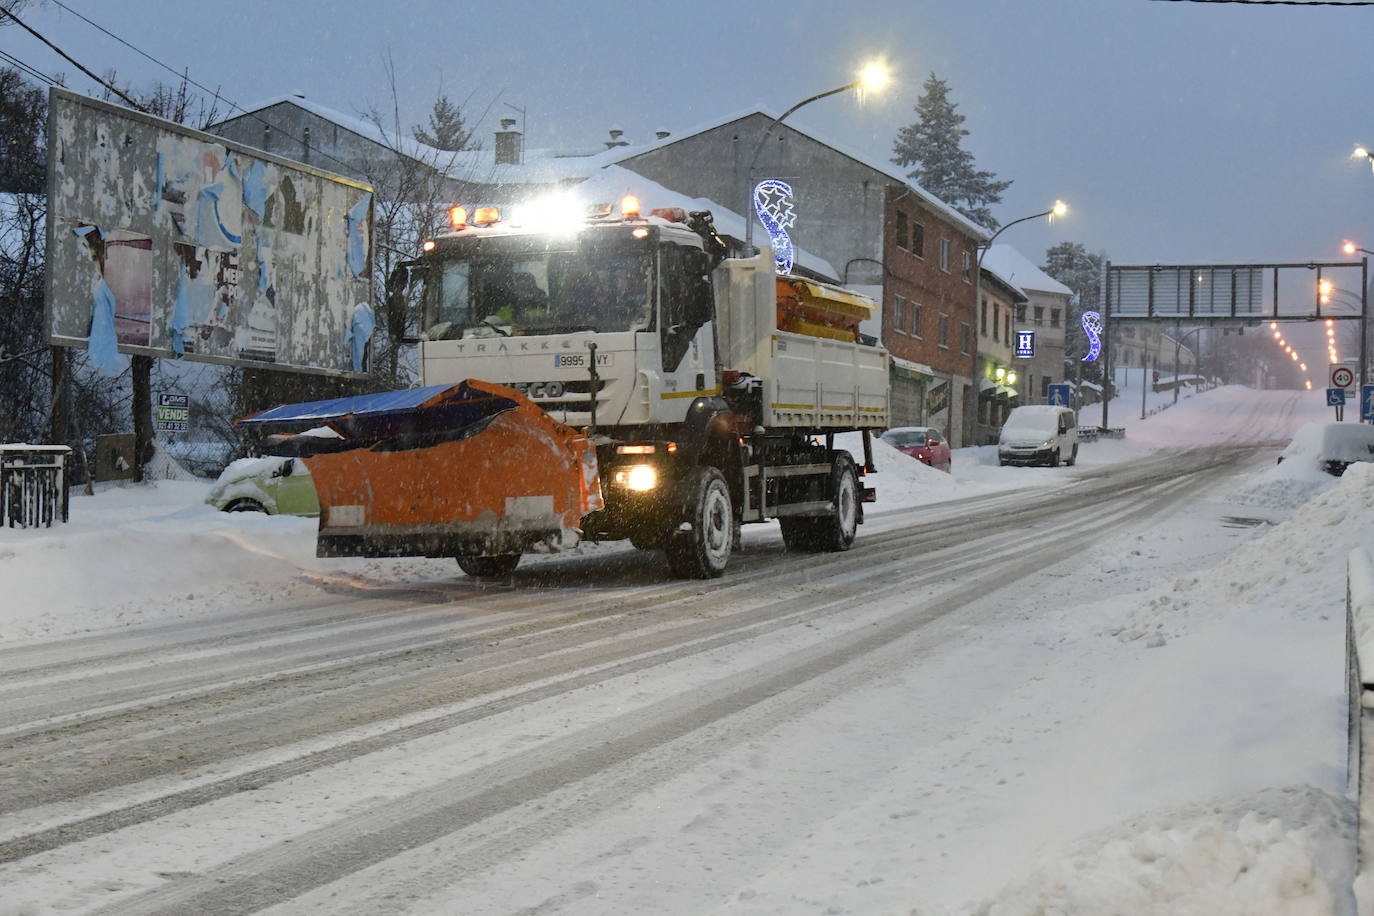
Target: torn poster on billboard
(205, 249)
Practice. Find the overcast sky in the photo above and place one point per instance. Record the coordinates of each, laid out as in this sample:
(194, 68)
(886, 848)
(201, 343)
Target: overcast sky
(1178, 132)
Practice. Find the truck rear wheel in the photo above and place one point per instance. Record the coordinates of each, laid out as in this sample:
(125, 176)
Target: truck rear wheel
(834, 532)
(703, 551)
(489, 567)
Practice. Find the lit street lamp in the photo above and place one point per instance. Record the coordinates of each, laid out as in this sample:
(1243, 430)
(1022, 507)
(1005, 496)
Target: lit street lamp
(1362, 152)
(873, 77)
(1059, 209)
(1350, 248)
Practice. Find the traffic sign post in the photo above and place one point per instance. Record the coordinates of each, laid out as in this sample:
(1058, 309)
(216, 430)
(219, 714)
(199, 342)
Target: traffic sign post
(1335, 397)
(1367, 403)
(1343, 377)
(1058, 396)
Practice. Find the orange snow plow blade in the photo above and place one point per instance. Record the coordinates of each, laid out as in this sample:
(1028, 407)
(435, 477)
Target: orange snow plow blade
(477, 469)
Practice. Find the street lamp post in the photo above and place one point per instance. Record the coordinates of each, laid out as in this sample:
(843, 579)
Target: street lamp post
(1059, 209)
(1178, 345)
(874, 76)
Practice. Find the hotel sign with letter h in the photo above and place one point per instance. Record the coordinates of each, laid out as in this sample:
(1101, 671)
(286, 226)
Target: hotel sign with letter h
(1025, 344)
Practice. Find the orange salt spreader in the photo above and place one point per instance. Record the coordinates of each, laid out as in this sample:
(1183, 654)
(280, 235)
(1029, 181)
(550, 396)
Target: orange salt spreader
(472, 469)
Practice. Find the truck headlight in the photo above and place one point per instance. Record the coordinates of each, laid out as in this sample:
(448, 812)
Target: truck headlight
(638, 477)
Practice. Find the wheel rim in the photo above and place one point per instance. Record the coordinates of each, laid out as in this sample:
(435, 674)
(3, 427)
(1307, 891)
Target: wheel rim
(845, 507)
(716, 523)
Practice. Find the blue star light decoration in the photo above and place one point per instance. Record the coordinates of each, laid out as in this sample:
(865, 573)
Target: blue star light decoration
(773, 203)
(1092, 326)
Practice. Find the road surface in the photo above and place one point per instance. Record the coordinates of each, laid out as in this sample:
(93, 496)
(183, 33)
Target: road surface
(590, 737)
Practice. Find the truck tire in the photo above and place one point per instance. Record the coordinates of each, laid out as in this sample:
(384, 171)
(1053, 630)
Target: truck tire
(703, 551)
(496, 567)
(835, 532)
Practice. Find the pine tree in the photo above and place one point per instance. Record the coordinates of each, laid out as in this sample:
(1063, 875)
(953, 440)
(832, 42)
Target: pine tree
(934, 144)
(447, 128)
(1080, 270)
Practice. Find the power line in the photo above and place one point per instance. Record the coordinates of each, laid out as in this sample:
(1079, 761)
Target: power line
(35, 73)
(1280, 2)
(213, 93)
(76, 63)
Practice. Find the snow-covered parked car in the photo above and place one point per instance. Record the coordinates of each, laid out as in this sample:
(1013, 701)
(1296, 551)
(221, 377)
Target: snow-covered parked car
(1331, 447)
(923, 443)
(278, 483)
(1038, 434)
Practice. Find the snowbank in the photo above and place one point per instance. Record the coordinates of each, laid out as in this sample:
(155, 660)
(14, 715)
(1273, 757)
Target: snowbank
(1290, 860)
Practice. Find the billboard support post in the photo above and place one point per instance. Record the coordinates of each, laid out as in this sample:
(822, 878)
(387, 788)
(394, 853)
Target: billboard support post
(142, 371)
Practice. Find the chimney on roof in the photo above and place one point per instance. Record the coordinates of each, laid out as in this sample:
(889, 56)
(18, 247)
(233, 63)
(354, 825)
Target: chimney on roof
(661, 134)
(510, 146)
(616, 134)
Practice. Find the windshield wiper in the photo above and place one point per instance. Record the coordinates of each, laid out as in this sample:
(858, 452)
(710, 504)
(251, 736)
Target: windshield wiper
(497, 328)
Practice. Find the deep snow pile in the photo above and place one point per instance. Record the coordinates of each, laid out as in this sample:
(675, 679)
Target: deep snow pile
(1280, 853)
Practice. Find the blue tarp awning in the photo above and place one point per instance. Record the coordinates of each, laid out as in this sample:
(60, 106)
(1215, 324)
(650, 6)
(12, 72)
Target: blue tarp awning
(363, 405)
(434, 408)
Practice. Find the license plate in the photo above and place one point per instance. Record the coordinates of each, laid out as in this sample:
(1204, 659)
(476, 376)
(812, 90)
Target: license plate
(579, 360)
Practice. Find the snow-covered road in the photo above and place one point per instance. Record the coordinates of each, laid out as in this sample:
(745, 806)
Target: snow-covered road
(978, 685)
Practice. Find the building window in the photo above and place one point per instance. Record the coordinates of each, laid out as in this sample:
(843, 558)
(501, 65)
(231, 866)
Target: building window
(1044, 387)
(965, 339)
(918, 240)
(899, 314)
(996, 319)
(968, 267)
(944, 255)
(942, 332)
(901, 230)
(1021, 311)
(983, 319)
(916, 320)
(1039, 314)
(1054, 318)
(1006, 327)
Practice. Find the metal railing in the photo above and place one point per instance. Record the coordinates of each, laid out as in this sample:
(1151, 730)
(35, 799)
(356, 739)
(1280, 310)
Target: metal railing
(1359, 630)
(33, 485)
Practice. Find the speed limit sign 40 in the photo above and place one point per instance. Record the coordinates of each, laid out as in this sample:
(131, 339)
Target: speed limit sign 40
(1342, 377)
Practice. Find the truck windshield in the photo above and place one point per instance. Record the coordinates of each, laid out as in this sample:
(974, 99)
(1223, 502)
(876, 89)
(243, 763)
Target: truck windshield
(525, 293)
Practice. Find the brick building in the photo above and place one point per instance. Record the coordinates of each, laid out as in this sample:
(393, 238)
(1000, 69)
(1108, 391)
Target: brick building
(928, 316)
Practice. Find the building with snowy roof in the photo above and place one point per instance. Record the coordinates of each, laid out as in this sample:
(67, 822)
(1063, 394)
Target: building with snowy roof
(1044, 313)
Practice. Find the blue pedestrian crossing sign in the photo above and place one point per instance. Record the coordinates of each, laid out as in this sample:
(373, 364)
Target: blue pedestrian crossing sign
(1335, 397)
(1058, 395)
(1367, 402)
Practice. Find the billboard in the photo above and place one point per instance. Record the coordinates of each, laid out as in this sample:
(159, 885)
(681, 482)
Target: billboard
(165, 241)
(1157, 291)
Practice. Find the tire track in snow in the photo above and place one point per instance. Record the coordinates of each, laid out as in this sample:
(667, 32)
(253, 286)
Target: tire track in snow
(282, 872)
(700, 637)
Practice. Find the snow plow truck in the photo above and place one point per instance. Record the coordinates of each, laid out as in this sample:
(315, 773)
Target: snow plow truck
(604, 375)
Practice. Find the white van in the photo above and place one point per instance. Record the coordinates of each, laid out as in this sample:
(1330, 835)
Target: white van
(1038, 434)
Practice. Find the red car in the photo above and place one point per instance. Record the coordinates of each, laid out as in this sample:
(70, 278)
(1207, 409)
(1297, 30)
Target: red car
(922, 443)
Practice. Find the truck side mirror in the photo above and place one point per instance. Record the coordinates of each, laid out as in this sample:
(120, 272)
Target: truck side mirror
(701, 306)
(698, 262)
(397, 299)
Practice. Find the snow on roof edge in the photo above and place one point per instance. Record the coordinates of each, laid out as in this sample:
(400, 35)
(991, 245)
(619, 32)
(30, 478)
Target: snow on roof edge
(978, 232)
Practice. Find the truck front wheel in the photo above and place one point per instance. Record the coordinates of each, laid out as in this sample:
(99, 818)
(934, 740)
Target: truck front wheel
(703, 551)
(496, 567)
